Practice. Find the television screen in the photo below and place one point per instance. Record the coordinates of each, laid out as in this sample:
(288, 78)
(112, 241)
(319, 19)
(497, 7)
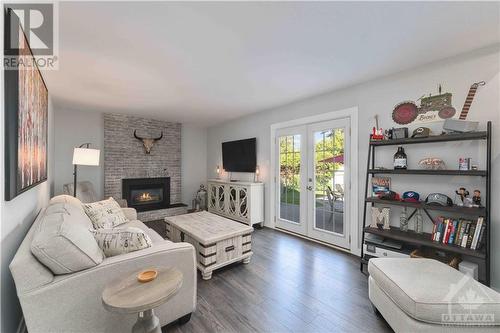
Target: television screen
(239, 156)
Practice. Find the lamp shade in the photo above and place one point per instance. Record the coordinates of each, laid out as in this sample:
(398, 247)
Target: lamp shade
(86, 156)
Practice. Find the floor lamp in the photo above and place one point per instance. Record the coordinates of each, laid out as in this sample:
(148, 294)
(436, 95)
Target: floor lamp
(83, 155)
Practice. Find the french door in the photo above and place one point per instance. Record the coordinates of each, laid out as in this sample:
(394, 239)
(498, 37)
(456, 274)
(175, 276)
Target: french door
(312, 172)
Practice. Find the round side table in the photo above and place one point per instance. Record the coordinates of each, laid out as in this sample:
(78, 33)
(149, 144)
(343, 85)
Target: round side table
(132, 296)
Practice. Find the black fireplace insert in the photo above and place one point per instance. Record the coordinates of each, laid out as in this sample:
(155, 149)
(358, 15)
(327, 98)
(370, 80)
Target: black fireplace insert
(145, 194)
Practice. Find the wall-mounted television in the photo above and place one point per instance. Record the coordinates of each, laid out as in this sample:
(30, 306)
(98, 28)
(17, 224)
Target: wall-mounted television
(240, 155)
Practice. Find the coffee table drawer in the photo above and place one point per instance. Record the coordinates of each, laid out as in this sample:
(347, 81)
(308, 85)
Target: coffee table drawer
(229, 249)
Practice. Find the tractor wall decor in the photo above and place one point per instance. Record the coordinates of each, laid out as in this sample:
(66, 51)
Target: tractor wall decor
(407, 111)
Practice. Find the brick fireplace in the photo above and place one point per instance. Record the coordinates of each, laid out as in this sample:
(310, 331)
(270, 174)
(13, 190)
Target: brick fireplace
(125, 158)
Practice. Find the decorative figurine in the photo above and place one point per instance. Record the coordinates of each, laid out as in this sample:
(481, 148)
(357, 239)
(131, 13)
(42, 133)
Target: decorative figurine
(468, 202)
(462, 193)
(201, 198)
(476, 199)
(377, 132)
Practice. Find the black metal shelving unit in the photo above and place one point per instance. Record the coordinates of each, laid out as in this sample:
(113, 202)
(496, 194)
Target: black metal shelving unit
(418, 240)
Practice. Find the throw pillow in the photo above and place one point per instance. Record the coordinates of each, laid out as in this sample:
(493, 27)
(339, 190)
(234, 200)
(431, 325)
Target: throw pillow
(105, 214)
(121, 240)
(62, 244)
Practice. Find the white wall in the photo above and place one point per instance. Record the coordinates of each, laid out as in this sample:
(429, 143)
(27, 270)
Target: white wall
(379, 97)
(194, 161)
(17, 217)
(74, 127)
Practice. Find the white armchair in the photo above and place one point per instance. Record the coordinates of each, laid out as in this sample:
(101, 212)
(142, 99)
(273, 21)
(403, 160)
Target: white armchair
(85, 192)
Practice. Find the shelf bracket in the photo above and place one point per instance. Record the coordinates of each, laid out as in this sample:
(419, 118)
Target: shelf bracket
(428, 215)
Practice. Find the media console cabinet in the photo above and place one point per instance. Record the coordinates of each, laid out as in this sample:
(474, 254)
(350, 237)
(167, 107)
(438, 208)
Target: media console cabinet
(240, 201)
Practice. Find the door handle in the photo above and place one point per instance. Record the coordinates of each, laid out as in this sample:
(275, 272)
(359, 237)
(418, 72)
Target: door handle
(310, 188)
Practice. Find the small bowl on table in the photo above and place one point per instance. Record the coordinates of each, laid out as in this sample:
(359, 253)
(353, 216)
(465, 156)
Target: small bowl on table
(147, 275)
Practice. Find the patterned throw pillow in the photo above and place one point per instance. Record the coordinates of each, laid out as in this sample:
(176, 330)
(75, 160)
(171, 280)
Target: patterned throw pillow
(105, 214)
(121, 240)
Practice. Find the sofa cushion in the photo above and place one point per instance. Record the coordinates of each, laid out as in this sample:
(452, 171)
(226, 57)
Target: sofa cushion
(74, 202)
(427, 289)
(105, 214)
(155, 237)
(63, 242)
(76, 213)
(121, 240)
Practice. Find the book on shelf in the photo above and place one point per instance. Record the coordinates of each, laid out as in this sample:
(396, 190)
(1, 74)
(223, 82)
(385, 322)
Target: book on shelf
(460, 232)
(453, 232)
(471, 235)
(481, 239)
(463, 243)
(475, 239)
(380, 185)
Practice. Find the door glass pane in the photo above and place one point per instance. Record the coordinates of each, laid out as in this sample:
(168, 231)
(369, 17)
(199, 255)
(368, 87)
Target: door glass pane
(329, 180)
(289, 157)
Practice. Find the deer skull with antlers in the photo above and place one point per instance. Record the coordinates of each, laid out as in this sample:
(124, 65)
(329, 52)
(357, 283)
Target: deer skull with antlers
(148, 142)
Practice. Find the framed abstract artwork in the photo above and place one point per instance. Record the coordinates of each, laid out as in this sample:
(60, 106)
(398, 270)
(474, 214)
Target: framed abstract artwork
(26, 116)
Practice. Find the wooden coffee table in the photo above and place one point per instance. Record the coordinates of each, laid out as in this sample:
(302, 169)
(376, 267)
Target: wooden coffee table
(132, 296)
(218, 241)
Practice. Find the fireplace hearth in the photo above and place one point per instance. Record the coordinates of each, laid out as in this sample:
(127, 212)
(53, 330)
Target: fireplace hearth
(145, 194)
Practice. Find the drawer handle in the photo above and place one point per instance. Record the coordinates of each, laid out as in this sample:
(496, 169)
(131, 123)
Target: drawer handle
(229, 248)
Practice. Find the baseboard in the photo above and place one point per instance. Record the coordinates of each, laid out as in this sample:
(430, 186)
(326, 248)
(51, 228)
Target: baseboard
(313, 240)
(21, 328)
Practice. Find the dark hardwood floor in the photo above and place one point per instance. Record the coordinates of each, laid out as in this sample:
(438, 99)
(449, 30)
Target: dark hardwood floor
(291, 285)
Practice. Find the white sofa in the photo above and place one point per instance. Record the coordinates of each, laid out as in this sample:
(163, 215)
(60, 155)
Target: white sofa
(72, 302)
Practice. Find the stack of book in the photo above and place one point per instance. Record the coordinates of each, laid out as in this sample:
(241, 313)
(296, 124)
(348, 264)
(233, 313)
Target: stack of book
(460, 232)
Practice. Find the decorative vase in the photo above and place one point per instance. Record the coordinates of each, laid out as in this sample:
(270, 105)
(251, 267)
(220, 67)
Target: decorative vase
(201, 197)
(403, 220)
(419, 223)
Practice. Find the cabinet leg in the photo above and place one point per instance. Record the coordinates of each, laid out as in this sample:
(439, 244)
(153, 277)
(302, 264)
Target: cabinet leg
(247, 260)
(206, 275)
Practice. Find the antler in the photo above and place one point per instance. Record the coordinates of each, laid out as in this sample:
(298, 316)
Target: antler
(159, 138)
(137, 137)
(154, 139)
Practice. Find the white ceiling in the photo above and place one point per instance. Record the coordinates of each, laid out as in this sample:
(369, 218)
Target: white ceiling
(208, 62)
